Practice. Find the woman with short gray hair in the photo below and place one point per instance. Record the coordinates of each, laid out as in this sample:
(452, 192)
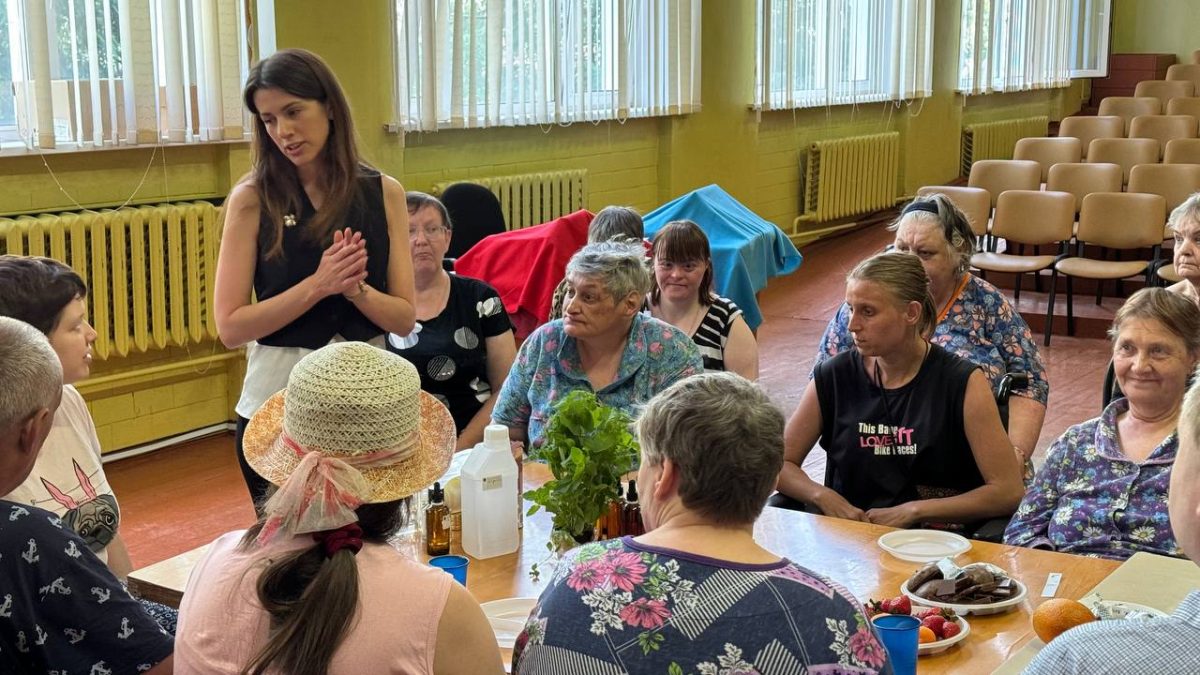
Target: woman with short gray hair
(603, 344)
(711, 448)
(1185, 224)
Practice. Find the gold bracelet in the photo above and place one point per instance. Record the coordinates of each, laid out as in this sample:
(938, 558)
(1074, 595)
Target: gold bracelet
(362, 290)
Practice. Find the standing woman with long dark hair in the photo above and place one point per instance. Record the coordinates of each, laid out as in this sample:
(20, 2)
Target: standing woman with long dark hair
(318, 236)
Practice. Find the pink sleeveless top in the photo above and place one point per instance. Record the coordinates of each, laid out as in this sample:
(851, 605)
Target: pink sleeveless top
(222, 625)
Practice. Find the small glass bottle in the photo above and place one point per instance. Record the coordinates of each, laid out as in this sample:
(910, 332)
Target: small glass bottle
(437, 523)
(632, 513)
(614, 519)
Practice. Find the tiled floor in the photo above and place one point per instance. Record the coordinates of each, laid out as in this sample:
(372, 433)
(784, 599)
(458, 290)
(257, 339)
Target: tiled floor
(176, 499)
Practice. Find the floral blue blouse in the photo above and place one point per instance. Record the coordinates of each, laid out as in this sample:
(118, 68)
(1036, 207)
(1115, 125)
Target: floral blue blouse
(1090, 499)
(547, 368)
(982, 327)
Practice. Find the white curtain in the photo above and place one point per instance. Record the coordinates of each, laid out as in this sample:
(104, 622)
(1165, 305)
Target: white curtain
(102, 73)
(486, 63)
(813, 53)
(1013, 45)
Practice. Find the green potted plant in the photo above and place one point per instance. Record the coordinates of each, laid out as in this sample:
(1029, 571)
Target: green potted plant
(588, 447)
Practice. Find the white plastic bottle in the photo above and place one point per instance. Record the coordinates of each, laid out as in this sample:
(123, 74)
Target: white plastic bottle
(489, 497)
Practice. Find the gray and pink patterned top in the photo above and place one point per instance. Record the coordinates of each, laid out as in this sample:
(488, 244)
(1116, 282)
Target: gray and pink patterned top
(618, 606)
(1090, 499)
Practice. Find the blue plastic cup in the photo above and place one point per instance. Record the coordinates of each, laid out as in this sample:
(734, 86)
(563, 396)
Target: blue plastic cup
(899, 635)
(456, 566)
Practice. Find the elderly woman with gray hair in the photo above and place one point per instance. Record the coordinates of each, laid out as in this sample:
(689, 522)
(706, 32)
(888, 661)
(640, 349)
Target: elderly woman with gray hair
(682, 597)
(603, 344)
(975, 321)
(1185, 224)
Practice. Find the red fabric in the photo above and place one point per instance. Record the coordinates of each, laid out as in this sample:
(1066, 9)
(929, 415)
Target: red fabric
(524, 266)
(346, 536)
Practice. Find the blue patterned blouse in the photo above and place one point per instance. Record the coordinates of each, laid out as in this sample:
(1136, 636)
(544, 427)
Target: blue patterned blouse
(1089, 498)
(547, 368)
(982, 327)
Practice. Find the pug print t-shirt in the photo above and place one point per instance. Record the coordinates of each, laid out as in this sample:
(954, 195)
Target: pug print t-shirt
(450, 350)
(68, 479)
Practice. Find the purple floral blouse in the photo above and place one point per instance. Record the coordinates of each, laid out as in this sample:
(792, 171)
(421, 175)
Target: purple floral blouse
(547, 368)
(618, 606)
(1089, 498)
(982, 327)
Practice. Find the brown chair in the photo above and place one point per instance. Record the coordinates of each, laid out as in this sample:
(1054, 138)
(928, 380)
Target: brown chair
(1185, 72)
(1129, 107)
(1032, 217)
(1087, 128)
(998, 175)
(1167, 274)
(1163, 128)
(975, 203)
(1196, 56)
(1127, 152)
(1182, 151)
(1184, 105)
(1175, 182)
(1114, 220)
(1164, 90)
(1084, 179)
(1048, 151)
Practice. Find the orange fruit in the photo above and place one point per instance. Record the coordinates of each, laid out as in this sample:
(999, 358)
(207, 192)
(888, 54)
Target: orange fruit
(925, 634)
(1057, 615)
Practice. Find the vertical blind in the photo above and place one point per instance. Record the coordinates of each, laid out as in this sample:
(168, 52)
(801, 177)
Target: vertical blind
(814, 53)
(485, 63)
(1012, 45)
(100, 73)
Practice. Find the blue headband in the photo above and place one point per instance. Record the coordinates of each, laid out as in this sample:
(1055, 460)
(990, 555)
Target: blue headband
(928, 206)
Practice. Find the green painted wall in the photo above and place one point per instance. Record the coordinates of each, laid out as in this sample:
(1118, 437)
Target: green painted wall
(1156, 26)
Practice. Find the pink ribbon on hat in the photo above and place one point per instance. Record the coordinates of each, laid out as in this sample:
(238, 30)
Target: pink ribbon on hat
(322, 492)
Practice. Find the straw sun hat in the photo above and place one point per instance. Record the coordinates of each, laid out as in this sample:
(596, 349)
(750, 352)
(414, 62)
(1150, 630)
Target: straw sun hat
(350, 400)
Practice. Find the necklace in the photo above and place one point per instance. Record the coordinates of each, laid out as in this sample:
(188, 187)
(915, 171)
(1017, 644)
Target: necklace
(889, 418)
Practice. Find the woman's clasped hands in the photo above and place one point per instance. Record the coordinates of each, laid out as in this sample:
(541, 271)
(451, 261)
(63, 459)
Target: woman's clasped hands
(343, 265)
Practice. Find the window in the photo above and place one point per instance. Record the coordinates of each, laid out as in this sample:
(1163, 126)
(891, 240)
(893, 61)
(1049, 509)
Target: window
(484, 63)
(833, 52)
(1014, 45)
(71, 75)
(1089, 39)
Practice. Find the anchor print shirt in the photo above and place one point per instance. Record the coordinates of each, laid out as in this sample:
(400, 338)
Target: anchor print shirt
(61, 610)
(68, 479)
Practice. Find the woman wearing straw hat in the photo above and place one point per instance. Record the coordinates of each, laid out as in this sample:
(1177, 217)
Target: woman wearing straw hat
(314, 587)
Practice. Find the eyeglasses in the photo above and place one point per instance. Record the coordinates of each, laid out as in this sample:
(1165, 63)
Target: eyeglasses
(431, 233)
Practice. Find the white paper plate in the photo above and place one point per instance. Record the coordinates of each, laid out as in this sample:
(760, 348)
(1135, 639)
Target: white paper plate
(940, 646)
(1120, 610)
(977, 610)
(508, 617)
(924, 545)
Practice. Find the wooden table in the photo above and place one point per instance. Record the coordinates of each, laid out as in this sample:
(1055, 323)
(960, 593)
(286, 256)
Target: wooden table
(843, 550)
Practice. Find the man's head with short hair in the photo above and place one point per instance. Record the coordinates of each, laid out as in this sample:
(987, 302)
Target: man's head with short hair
(1184, 495)
(616, 223)
(30, 392)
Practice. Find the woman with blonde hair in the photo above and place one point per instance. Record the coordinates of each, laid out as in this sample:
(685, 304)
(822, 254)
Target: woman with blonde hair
(314, 587)
(912, 432)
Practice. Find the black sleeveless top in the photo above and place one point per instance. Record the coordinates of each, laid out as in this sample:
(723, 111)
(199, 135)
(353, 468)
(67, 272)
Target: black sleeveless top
(333, 315)
(890, 447)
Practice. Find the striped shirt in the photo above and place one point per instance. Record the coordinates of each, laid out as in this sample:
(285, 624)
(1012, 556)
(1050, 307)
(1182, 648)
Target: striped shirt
(1168, 646)
(713, 332)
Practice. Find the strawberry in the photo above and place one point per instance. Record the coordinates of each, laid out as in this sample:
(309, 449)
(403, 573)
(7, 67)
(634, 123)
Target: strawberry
(924, 612)
(950, 629)
(875, 607)
(934, 623)
(901, 605)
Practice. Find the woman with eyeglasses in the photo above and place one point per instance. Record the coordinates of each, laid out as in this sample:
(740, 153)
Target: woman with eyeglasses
(463, 343)
(682, 296)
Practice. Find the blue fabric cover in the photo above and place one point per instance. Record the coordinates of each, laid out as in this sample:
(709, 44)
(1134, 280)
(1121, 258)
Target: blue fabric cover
(746, 249)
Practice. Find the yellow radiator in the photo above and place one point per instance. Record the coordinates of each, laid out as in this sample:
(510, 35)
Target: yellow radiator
(149, 269)
(849, 176)
(995, 140)
(533, 198)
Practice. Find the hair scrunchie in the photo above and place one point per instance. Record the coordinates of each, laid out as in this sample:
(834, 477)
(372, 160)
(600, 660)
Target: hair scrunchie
(346, 536)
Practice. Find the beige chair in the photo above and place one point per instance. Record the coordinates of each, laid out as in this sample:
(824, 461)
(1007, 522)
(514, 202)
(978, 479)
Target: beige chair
(1127, 152)
(1184, 105)
(1164, 90)
(975, 203)
(1048, 151)
(1032, 217)
(1185, 72)
(1129, 107)
(1116, 220)
(1182, 151)
(1084, 179)
(998, 175)
(1167, 274)
(1196, 56)
(1088, 128)
(1174, 182)
(1163, 128)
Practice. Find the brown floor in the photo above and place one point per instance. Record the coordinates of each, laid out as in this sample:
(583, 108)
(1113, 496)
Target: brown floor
(178, 498)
